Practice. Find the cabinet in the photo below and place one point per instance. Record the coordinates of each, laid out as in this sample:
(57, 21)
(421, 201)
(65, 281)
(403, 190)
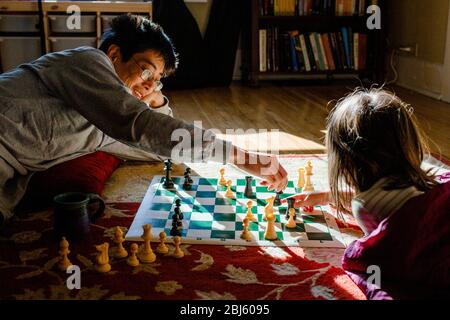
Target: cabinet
(20, 34)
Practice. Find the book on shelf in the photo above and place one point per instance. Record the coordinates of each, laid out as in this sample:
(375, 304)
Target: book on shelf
(314, 7)
(297, 51)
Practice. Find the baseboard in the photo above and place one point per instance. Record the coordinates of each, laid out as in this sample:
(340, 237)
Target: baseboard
(421, 76)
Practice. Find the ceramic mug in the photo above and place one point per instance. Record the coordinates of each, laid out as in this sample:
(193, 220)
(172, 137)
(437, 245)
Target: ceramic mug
(73, 214)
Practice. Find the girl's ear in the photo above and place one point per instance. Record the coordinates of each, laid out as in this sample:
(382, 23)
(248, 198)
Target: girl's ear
(114, 53)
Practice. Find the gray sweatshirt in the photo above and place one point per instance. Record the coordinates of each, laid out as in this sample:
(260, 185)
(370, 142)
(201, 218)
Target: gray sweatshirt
(71, 103)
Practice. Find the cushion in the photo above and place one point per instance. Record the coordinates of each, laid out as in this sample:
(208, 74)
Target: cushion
(87, 173)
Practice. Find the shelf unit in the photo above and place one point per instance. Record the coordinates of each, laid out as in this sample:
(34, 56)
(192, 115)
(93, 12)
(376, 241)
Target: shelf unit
(96, 10)
(313, 23)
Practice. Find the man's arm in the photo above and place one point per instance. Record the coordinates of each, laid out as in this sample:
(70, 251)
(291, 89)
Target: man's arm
(86, 81)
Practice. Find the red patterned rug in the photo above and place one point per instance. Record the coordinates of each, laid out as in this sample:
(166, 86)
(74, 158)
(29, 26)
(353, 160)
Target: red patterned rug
(28, 268)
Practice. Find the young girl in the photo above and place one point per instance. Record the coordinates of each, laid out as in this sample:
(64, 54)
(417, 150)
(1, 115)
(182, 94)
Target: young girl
(375, 151)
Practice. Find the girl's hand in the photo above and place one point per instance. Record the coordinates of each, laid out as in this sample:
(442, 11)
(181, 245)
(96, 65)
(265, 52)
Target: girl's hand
(310, 199)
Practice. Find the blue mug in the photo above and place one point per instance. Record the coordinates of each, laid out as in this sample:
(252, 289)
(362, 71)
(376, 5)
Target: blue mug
(73, 214)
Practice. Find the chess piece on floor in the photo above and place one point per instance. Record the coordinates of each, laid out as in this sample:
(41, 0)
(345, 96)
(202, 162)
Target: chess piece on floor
(222, 180)
(120, 251)
(102, 264)
(291, 202)
(277, 200)
(168, 183)
(132, 259)
(147, 255)
(178, 253)
(250, 216)
(301, 178)
(248, 192)
(162, 248)
(270, 233)
(268, 209)
(229, 193)
(245, 235)
(64, 251)
(291, 222)
(308, 184)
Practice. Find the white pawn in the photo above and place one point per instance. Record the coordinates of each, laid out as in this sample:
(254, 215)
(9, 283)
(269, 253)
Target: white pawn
(250, 216)
(162, 248)
(245, 235)
(132, 259)
(291, 222)
(229, 193)
(178, 253)
(64, 251)
(270, 233)
(222, 180)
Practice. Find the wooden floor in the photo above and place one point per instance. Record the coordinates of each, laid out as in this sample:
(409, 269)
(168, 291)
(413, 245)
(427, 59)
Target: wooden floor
(298, 112)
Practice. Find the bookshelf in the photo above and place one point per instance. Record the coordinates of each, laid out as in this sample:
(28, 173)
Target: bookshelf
(361, 55)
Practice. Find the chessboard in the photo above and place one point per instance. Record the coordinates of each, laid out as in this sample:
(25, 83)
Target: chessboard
(212, 218)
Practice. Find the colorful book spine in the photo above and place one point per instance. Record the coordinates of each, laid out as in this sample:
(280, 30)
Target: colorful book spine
(345, 38)
(322, 53)
(305, 52)
(263, 50)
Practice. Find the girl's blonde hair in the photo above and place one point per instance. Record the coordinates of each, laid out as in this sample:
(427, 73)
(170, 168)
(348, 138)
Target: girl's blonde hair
(372, 134)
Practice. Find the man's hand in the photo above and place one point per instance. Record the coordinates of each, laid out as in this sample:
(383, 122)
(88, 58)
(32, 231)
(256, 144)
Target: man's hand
(264, 166)
(154, 99)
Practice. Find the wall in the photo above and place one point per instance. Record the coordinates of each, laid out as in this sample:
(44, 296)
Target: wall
(200, 11)
(424, 23)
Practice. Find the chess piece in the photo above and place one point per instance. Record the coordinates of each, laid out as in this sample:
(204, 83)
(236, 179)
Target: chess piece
(103, 258)
(291, 202)
(229, 193)
(132, 259)
(162, 248)
(248, 192)
(177, 216)
(168, 183)
(245, 235)
(308, 185)
(222, 180)
(291, 222)
(277, 200)
(120, 251)
(270, 233)
(147, 255)
(187, 185)
(178, 253)
(250, 216)
(187, 173)
(268, 209)
(64, 251)
(301, 178)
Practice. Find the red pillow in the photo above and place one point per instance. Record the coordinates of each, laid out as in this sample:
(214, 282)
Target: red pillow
(87, 173)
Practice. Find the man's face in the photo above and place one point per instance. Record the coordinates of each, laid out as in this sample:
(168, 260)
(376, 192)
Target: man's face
(133, 73)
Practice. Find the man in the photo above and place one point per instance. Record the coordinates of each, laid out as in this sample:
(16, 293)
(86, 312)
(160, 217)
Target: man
(70, 103)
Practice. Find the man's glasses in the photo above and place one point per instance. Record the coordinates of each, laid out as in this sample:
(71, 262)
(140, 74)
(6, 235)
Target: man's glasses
(147, 75)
